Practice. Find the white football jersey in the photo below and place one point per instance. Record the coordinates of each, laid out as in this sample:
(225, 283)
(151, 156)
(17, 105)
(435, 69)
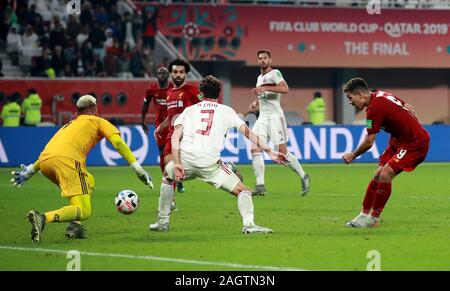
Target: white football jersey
(269, 102)
(205, 126)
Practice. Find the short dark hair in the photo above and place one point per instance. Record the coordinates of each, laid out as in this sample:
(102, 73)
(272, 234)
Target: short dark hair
(356, 85)
(317, 94)
(180, 62)
(264, 51)
(210, 87)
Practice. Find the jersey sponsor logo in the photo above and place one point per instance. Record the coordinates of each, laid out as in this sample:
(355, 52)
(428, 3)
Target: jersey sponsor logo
(174, 104)
(134, 137)
(162, 102)
(369, 123)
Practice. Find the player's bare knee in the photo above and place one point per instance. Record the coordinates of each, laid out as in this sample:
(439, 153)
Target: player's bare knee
(376, 175)
(256, 151)
(386, 175)
(240, 188)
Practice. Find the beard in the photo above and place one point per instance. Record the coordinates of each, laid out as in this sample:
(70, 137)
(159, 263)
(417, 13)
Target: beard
(178, 81)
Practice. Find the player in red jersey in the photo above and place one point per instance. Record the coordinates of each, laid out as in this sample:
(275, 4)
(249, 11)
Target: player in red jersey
(157, 93)
(179, 97)
(408, 144)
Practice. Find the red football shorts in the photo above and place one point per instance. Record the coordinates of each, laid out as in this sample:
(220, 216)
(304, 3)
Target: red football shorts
(404, 157)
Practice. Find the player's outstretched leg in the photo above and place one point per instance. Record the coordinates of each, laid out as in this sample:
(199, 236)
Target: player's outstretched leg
(258, 169)
(295, 166)
(37, 221)
(245, 205)
(165, 202)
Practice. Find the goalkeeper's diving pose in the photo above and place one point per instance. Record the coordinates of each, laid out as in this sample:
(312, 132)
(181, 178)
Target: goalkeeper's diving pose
(63, 161)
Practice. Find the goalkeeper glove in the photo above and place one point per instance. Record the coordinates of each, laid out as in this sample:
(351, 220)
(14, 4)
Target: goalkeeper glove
(142, 174)
(19, 178)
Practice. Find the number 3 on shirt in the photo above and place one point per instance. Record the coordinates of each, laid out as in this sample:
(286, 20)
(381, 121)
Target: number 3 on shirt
(208, 121)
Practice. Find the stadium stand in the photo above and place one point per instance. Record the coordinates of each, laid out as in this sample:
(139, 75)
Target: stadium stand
(105, 40)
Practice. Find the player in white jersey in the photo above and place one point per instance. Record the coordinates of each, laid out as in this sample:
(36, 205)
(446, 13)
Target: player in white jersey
(202, 129)
(271, 123)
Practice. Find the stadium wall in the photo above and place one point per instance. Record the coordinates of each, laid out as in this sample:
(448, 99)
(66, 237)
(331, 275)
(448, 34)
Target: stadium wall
(311, 144)
(129, 111)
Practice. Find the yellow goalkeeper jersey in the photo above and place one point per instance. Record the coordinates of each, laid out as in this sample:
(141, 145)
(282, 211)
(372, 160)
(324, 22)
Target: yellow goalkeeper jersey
(76, 138)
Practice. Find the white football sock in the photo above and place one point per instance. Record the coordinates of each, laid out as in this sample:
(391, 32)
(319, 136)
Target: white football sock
(258, 167)
(245, 205)
(165, 201)
(294, 164)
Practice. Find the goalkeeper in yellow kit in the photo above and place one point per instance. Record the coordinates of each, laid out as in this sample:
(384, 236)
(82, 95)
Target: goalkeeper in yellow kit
(63, 161)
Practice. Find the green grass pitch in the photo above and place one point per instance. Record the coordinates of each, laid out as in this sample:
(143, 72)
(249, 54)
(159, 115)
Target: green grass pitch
(205, 232)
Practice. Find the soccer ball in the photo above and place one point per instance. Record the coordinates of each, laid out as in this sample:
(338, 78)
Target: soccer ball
(126, 201)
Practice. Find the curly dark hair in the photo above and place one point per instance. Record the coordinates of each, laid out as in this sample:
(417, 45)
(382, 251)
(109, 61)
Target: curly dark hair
(356, 85)
(180, 62)
(210, 86)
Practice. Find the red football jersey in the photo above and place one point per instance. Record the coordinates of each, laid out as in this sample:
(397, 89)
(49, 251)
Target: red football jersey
(178, 99)
(387, 112)
(159, 98)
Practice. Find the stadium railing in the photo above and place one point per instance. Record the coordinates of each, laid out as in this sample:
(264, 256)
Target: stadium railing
(420, 4)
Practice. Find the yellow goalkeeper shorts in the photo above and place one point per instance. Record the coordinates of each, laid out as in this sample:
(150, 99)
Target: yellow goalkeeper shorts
(70, 175)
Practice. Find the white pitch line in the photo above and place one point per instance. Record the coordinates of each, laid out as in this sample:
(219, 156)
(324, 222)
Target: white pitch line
(153, 258)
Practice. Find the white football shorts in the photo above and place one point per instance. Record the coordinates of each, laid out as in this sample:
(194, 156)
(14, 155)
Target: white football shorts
(272, 128)
(217, 175)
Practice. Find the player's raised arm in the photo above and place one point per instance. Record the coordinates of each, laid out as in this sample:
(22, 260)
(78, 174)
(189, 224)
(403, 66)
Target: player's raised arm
(365, 145)
(20, 177)
(249, 134)
(126, 153)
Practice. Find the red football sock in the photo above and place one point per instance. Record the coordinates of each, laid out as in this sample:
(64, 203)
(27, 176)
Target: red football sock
(161, 162)
(369, 199)
(383, 194)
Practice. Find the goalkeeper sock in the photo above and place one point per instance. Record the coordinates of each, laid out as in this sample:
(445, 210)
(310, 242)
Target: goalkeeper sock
(369, 198)
(245, 206)
(165, 201)
(65, 214)
(295, 165)
(383, 194)
(258, 167)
